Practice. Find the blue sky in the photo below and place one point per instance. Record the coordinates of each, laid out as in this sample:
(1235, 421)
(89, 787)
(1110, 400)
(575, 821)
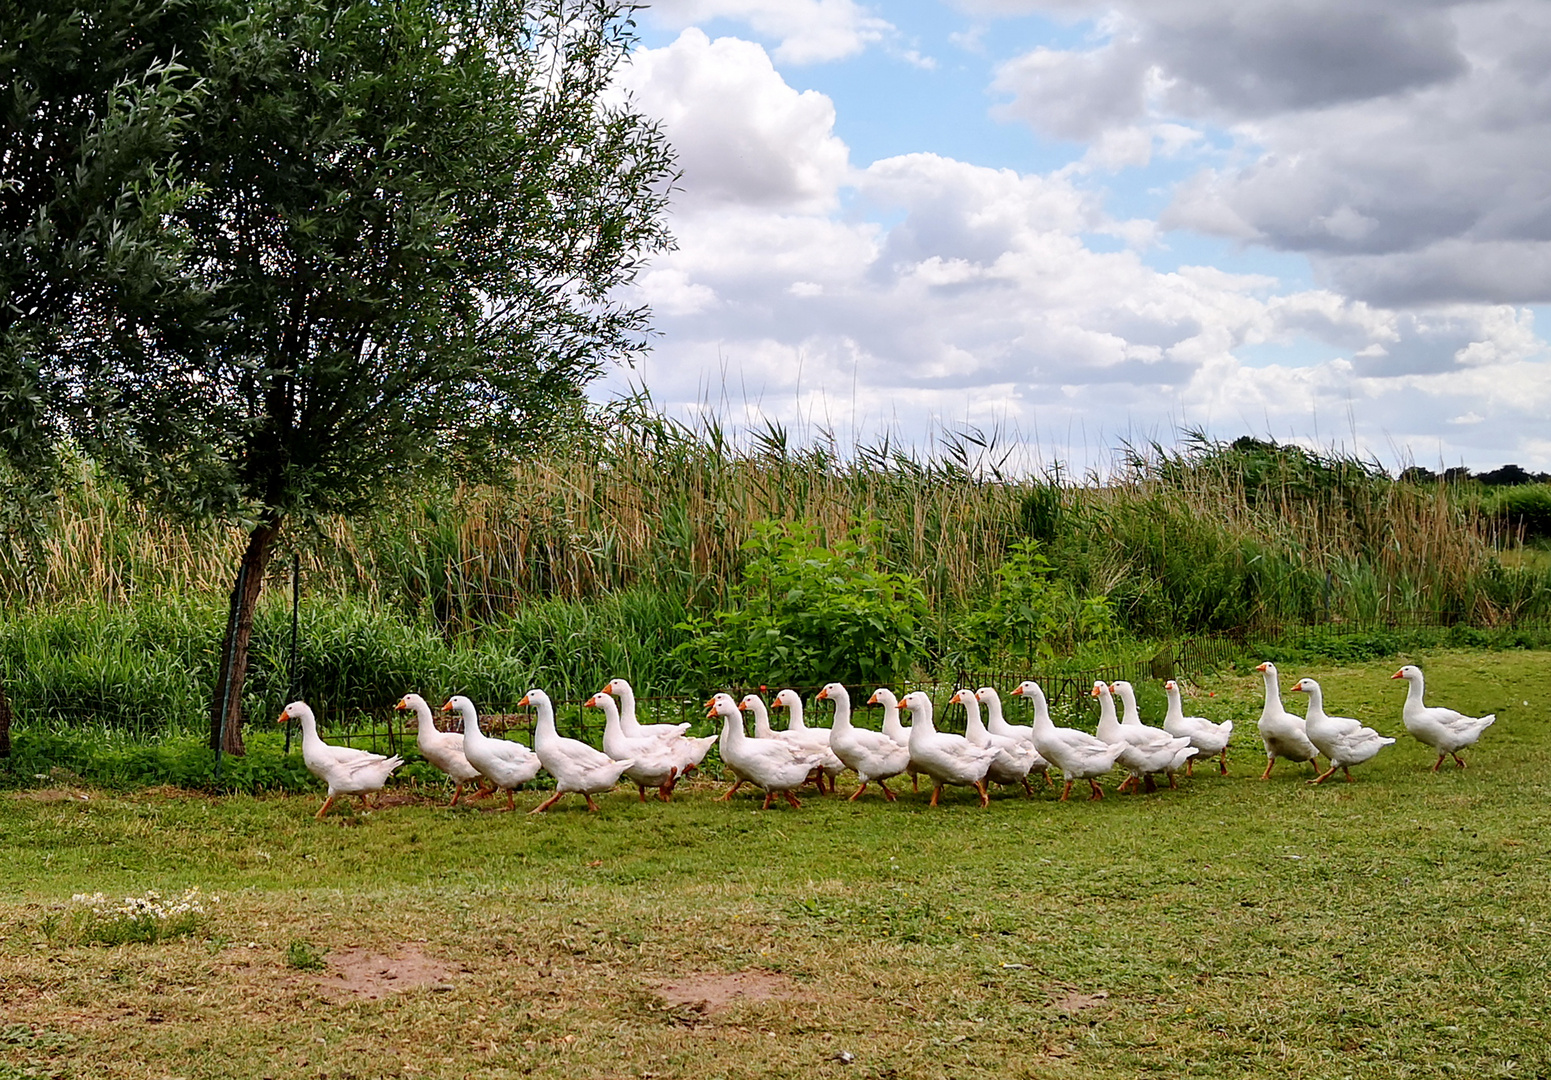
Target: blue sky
(1084, 222)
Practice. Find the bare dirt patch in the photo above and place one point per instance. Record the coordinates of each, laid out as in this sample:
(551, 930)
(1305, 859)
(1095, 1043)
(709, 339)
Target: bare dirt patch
(714, 992)
(1072, 1002)
(51, 795)
(363, 975)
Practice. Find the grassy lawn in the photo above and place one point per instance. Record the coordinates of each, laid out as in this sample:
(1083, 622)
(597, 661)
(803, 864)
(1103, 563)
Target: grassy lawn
(1396, 926)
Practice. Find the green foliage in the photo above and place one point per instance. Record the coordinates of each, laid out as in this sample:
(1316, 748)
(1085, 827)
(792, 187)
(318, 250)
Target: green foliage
(810, 614)
(305, 956)
(1032, 614)
(412, 220)
(1525, 508)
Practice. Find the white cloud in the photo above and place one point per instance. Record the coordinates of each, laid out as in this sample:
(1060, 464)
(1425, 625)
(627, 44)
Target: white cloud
(923, 289)
(1403, 146)
(742, 135)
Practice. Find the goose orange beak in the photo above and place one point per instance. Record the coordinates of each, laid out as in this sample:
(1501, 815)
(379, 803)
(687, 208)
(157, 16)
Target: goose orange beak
(874, 699)
(523, 702)
(591, 703)
(1260, 667)
(822, 695)
(284, 716)
(1398, 675)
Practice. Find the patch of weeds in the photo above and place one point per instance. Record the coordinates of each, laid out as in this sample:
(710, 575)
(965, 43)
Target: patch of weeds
(304, 956)
(148, 919)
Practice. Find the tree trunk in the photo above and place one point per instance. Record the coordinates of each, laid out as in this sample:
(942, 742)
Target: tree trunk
(5, 724)
(239, 630)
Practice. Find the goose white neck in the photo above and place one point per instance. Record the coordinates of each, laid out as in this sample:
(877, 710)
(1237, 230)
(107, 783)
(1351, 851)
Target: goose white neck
(993, 704)
(842, 700)
(973, 728)
(761, 717)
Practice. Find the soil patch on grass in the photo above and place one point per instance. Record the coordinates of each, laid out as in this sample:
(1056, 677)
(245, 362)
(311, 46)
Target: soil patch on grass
(1072, 1002)
(715, 992)
(51, 795)
(363, 975)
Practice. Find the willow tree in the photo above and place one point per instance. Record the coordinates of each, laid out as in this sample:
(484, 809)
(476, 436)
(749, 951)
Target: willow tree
(409, 224)
(93, 99)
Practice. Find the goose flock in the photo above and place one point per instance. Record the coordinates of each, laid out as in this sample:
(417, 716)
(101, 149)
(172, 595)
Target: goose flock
(780, 763)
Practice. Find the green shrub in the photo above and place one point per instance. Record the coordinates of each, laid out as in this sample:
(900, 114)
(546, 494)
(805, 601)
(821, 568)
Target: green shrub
(1526, 507)
(1031, 614)
(810, 614)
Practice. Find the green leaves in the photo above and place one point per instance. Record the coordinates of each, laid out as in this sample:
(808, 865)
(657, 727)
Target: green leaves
(1033, 614)
(811, 614)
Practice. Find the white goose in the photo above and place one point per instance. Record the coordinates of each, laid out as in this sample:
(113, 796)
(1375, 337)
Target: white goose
(1445, 730)
(997, 724)
(1340, 738)
(1208, 738)
(1077, 754)
(576, 767)
(776, 765)
(799, 731)
(652, 760)
(444, 749)
(894, 729)
(1015, 756)
(1146, 750)
(946, 758)
(627, 722)
(873, 755)
(344, 770)
(1130, 717)
(1282, 732)
(506, 764)
(755, 705)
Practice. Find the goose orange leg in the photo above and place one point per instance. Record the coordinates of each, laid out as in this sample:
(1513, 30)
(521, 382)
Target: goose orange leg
(1098, 792)
(1458, 760)
(1270, 761)
(511, 800)
(887, 794)
(547, 803)
(858, 792)
(768, 796)
(936, 791)
(590, 804)
(985, 796)
(1028, 790)
(1067, 790)
(1222, 762)
(736, 785)
(792, 799)
(1322, 777)
(328, 802)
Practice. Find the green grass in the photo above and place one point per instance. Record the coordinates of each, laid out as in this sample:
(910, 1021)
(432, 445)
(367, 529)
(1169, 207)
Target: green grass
(1392, 927)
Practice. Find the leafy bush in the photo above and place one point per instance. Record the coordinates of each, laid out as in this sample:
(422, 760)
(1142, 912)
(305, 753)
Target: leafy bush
(1031, 614)
(811, 614)
(1527, 507)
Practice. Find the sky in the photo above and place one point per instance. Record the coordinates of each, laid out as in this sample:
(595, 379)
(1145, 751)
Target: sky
(1079, 225)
